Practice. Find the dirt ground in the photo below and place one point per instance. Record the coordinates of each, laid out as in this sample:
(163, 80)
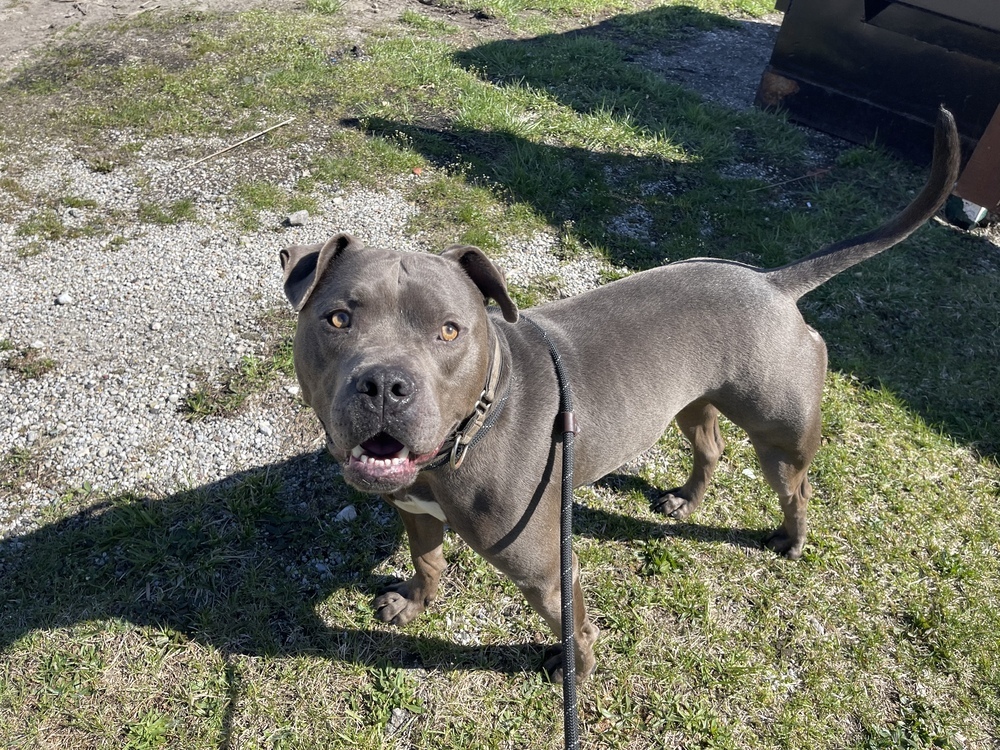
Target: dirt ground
(29, 25)
(723, 65)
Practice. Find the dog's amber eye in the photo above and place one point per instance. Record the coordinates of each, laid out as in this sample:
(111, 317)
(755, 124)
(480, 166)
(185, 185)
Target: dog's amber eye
(340, 319)
(449, 332)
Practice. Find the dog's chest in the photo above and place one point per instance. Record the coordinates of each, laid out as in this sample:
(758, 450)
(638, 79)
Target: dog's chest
(418, 506)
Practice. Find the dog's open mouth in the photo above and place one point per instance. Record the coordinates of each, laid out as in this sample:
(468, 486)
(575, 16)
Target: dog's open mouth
(381, 462)
(382, 451)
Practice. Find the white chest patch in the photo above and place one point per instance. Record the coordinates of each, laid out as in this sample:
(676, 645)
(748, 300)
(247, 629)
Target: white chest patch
(421, 507)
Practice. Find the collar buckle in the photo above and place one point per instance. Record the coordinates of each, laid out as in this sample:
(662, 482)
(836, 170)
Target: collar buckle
(473, 425)
(484, 414)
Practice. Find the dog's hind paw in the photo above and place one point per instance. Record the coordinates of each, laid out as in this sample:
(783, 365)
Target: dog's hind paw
(674, 504)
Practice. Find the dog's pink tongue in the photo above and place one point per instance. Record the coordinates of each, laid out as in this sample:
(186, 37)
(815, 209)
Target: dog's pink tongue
(382, 445)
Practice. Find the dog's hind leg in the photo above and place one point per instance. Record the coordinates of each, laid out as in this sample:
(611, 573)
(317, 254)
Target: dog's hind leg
(786, 471)
(699, 422)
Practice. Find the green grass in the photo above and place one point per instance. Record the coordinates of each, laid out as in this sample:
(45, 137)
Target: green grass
(14, 189)
(44, 223)
(14, 464)
(75, 201)
(237, 614)
(29, 364)
(423, 23)
(325, 7)
(257, 196)
(240, 610)
(224, 397)
(173, 213)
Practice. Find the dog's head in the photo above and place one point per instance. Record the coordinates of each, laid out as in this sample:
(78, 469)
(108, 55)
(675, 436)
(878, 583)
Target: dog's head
(392, 349)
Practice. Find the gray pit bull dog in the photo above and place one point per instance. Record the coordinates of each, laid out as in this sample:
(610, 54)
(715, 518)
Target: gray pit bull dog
(447, 409)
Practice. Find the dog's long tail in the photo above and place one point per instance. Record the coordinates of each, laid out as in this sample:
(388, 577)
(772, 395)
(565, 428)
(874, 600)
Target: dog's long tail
(802, 276)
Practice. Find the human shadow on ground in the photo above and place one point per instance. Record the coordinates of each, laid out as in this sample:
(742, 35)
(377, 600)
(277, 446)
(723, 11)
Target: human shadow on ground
(242, 565)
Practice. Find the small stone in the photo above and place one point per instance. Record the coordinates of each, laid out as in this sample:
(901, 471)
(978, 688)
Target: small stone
(31, 437)
(347, 514)
(39, 344)
(297, 219)
(64, 299)
(397, 721)
(749, 474)
(265, 429)
(292, 390)
(155, 326)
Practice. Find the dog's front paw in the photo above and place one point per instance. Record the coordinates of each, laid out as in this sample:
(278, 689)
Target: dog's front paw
(673, 503)
(553, 665)
(399, 605)
(779, 541)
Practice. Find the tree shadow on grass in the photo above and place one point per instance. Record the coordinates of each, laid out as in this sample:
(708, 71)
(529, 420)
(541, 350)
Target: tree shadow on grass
(638, 203)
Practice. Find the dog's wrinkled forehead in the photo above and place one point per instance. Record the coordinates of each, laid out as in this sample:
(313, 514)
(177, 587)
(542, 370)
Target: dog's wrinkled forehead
(390, 281)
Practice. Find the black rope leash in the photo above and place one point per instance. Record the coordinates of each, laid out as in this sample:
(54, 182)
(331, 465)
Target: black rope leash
(566, 423)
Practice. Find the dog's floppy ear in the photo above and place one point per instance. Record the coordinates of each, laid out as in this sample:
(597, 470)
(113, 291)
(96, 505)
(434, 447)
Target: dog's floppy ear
(304, 266)
(484, 275)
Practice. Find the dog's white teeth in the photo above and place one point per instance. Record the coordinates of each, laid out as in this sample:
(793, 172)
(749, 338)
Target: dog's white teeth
(359, 455)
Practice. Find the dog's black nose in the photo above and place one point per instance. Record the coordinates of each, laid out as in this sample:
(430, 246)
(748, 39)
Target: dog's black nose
(387, 386)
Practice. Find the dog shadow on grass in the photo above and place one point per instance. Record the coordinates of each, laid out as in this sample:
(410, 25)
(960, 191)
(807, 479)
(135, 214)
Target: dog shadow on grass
(244, 565)
(241, 564)
(600, 524)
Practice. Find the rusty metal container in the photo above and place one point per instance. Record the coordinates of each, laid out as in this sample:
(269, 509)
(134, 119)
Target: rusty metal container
(877, 70)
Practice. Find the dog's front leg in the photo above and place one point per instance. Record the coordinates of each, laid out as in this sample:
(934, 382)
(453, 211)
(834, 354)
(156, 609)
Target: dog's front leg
(402, 602)
(699, 422)
(545, 596)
